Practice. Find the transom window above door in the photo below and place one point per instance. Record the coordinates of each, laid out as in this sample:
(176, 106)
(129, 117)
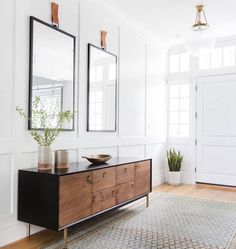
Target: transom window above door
(217, 58)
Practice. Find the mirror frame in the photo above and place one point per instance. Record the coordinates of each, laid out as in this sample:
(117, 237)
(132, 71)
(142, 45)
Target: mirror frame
(31, 47)
(88, 88)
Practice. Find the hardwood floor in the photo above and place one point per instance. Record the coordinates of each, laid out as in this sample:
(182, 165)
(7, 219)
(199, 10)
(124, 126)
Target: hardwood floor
(212, 192)
(199, 190)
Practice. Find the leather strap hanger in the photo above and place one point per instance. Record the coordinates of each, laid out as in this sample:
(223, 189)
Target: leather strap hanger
(103, 39)
(54, 13)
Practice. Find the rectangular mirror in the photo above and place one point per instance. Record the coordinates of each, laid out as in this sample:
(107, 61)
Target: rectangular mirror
(51, 73)
(102, 89)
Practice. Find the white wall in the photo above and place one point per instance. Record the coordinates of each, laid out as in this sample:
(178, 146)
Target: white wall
(141, 109)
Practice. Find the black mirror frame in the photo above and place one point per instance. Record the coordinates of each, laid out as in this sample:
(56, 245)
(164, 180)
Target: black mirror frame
(88, 88)
(31, 47)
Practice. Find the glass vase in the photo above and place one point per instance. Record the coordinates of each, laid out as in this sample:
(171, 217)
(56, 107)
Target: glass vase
(44, 157)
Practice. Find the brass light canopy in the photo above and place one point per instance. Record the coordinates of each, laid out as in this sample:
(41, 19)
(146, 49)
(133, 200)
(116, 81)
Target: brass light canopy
(201, 23)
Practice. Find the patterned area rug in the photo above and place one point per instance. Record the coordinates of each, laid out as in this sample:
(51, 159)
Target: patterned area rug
(171, 221)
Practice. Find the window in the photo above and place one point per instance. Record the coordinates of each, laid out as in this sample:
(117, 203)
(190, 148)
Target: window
(229, 56)
(179, 63)
(217, 58)
(179, 110)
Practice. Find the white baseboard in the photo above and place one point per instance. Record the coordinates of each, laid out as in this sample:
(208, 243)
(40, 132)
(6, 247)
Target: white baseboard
(159, 179)
(188, 177)
(16, 232)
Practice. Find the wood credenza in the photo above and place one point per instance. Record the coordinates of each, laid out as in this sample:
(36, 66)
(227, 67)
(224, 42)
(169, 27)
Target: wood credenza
(58, 199)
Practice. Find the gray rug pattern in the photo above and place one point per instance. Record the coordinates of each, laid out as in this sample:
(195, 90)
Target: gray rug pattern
(170, 222)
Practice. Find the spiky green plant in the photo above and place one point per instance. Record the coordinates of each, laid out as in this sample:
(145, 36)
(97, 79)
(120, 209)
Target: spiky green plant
(47, 133)
(174, 160)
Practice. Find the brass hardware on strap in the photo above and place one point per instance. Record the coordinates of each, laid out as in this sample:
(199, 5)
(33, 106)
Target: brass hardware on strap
(54, 13)
(103, 39)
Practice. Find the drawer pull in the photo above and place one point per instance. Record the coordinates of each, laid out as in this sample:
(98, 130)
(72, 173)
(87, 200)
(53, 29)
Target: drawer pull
(104, 174)
(89, 180)
(125, 170)
(94, 199)
(113, 193)
(102, 198)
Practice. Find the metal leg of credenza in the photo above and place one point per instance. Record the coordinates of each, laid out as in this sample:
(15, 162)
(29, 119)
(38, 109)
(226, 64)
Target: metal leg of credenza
(65, 238)
(147, 200)
(29, 230)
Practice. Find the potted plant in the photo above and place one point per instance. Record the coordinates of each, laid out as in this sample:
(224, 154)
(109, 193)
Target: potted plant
(174, 162)
(44, 131)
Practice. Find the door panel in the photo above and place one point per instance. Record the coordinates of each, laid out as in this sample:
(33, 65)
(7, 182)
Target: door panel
(74, 197)
(216, 130)
(142, 178)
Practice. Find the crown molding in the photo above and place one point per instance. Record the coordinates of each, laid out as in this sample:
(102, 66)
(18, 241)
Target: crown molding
(125, 19)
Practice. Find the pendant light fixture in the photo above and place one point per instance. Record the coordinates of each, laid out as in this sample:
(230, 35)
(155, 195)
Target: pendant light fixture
(200, 20)
(201, 37)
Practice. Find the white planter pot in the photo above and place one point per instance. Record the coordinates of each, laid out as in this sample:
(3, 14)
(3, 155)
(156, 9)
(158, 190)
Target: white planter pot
(174, 177)
(44, 158)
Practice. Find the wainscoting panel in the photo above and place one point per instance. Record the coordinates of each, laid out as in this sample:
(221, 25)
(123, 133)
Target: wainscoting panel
(6, 181)
(156, 93)
(132, 151)
(157, 152)
(6, 66)
(29, 160)
(132, 85)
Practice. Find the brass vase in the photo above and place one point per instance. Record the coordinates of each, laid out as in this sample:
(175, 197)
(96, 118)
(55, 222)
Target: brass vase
(62, 159)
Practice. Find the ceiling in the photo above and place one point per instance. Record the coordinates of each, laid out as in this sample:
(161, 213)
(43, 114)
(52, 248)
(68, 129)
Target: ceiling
(169, 21)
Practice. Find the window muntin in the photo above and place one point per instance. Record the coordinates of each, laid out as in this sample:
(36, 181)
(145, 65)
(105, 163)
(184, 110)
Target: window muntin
(179, 63)
(217, 58)
(179, 110)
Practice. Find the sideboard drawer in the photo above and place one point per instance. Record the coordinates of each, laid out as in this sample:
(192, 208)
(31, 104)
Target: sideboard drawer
(103, 178)
(124, 192)
(103, 199)
(142, 178)
(125, 173)
(75, 197)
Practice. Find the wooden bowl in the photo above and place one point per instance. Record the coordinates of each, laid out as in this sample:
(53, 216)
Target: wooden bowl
(98, 159)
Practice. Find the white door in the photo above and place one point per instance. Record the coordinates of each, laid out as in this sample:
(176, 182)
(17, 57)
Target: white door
(216, 130)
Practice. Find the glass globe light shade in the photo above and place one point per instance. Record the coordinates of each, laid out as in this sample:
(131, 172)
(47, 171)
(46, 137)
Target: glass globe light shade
(199, 40)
